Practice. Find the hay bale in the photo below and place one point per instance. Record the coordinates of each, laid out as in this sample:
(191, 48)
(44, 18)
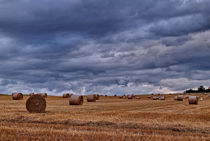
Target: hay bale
(130, 96)
(30, 94)
(17, 96)
(76, 100)
(67, 95)
(162, 98)
(155, 97)
(91, 98)
(125, 96)
(175, 98)
(36, 104)
(97, 96)
(193, 100)
(180, 97)
(43, 94)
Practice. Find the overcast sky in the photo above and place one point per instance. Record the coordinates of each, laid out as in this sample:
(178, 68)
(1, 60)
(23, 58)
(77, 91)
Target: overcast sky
(104, 46)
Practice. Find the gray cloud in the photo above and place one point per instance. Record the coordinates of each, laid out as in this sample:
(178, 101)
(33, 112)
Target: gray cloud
(104, 46)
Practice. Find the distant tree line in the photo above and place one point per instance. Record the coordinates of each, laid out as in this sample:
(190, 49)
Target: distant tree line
(200, 89)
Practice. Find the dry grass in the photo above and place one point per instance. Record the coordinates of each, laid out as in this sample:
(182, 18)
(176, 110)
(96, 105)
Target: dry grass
(110, 118)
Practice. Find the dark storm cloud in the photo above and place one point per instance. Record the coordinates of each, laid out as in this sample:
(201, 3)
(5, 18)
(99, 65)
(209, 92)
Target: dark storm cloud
(97, 17)
(104, 46)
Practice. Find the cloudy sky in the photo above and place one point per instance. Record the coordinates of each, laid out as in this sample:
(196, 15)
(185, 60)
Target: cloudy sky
(104, 46)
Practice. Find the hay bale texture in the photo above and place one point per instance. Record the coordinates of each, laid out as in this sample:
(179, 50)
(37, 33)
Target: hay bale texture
(36, 104)
(130, 96)
(180, 97)
(42, 94)
(17, 96)
(193, 100)
(30, 94)
(67, 95)
(124, 96)
(162, 98)
(155, 97)
(91, 98)
(76, 100)
(97, 96)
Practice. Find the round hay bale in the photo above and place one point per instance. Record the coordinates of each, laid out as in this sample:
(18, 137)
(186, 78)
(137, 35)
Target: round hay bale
(30, 94)
(36, 104)
(130, 96)
(97, 96)
(44, 95)
(91, 98)
(17, 96)
(155, 97)
(67, 95)
(76, 100)
(180, 98)
(162, 98)
(175, 98)
(193, 100)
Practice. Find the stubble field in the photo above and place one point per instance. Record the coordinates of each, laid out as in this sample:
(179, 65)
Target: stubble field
(110, 118)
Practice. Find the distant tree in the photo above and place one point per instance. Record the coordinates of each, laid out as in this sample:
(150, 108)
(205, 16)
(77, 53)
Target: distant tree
(190, 91)
(201, 89)
(208, 90)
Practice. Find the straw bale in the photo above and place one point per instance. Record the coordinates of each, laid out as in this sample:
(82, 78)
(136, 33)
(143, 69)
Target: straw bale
(76, 100)
(36, 104)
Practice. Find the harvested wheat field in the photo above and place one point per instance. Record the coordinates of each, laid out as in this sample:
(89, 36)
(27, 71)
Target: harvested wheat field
(110, 118)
